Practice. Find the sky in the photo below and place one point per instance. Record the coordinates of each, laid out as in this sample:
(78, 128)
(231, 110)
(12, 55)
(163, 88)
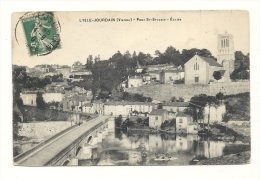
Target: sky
(197, 29)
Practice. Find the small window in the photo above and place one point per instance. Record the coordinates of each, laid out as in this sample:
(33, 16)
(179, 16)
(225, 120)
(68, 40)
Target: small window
(156, 118)
(180, 120)
(196, 79)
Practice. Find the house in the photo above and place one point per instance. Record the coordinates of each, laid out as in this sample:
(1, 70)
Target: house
(74, 102)
(126, 108)
(157, 117)
(167, 76)
(174, 107)
(135, 81)
(64, 70)
(199, 70)
(29, 97)
(184, 123)
(77, 66)
(146, 78)
(57, 87)
(161, 67)
(216, 113)
(44, 68)
(155, 75)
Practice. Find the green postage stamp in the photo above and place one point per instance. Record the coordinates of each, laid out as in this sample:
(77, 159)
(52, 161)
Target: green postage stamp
(41, 33)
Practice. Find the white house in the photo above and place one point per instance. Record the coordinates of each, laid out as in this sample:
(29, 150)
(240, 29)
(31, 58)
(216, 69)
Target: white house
(126, 108)
(216, 112)
(185, 124)
(157, 117)
(135, 81)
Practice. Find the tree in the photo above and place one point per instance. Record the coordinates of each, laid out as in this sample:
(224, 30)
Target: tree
(144, 71)
(220, 96)
(40, 101)
(226, 117)
(19, 102)
(118, 121)
(139, 120)
(181, 99)
(244, 75)
(173, 99)
(217, 75)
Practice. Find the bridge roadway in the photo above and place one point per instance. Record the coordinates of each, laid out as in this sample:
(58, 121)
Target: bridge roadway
(41, 157)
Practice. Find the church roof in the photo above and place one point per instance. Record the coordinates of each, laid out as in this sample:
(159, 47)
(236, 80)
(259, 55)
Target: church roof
(211, 61)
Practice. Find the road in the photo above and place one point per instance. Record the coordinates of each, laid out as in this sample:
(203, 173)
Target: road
(46, 153)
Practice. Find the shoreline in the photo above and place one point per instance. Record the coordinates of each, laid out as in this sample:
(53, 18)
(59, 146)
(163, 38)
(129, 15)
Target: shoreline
(231, 159)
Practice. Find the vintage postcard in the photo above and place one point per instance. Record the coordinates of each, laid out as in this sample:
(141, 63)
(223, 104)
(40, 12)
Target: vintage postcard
(131, 88)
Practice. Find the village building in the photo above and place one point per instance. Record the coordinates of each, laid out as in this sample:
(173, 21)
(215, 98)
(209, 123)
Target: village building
(174, 107)
(126, 108)
(161, 67)
(185, 124)
(29, 97)
(134, 81)
(146, 78)
(44, 68)
(155, 75)
(87, 108)
(49, 74)
(65, 70)
(214, 113)
(77, 66)
(169, 76)
(57, 87)
(75, 102)
(157, 117)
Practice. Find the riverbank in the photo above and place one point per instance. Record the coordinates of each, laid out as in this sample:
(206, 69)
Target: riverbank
(232, 159)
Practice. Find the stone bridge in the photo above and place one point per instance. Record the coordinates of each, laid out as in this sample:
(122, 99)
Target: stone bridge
(71, 146)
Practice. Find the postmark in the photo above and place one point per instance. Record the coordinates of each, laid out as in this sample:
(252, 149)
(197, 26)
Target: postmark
(41, 33)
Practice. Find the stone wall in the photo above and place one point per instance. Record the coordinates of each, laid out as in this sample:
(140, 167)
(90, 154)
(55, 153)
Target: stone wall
(164, 92)
(229, 88)
(43, 130)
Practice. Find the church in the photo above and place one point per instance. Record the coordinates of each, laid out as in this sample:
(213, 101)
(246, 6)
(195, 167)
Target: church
(200, 70)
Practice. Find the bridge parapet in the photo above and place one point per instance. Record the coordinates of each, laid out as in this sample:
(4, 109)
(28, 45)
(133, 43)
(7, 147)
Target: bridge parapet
(66, 152)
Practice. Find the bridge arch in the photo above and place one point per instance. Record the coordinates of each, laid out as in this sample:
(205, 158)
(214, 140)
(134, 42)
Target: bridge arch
(89, 139)
(78, 150)
(66, 162)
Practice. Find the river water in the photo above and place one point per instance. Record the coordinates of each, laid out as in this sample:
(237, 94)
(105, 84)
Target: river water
(142, 148)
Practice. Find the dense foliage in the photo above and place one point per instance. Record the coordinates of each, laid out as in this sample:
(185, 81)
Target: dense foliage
(108, 74)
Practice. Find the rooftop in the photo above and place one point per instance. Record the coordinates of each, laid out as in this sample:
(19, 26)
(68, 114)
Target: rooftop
(182, 114)
(135, 77)
(211, 61)
(158, 112)
(176, 104)
(173, 71)
(128, 103)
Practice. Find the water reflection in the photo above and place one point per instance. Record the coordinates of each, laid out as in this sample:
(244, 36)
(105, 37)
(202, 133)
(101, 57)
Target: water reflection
(119, 148)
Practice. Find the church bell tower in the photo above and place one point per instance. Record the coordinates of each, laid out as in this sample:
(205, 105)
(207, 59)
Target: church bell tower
(226, 53)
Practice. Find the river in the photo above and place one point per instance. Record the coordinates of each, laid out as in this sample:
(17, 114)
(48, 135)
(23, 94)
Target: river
(142, 148)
